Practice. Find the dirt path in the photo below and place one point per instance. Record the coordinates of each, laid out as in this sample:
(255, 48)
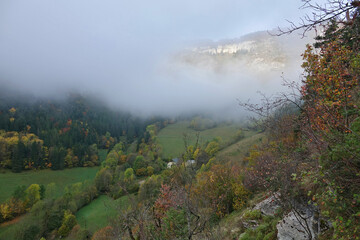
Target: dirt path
(15, 220)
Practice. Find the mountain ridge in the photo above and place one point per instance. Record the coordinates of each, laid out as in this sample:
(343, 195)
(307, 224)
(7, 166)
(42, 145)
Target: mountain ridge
(260, 51)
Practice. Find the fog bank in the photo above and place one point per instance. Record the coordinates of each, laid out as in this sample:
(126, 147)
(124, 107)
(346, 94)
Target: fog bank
(127, 52)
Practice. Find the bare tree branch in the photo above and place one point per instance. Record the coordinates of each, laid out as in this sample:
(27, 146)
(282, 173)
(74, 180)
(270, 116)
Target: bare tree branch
(342, 11)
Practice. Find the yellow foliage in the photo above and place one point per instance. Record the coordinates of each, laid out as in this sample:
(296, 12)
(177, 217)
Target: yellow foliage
(33, 194)
(5, 211)
(212, 148)
(12, 140)
(254, 154)
(240, 195)
(196, 153)
(12, 110)
(150, 170)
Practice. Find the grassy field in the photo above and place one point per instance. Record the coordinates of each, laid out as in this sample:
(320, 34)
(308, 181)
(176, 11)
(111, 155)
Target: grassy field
(171, 137)
(10, 181)
(238, 150)
(96, 215)
(8, 229)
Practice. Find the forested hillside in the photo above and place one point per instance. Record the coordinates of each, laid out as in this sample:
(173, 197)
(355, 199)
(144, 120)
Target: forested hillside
(41, 133)
(312, 160)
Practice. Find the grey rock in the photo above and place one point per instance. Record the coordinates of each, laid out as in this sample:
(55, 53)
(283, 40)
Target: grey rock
(252, 224)
(268, 206)
(299, 224)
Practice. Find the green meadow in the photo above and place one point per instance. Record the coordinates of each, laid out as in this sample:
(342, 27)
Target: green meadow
(10, 181)
(96, 215)
(238, 150)
(172, 140)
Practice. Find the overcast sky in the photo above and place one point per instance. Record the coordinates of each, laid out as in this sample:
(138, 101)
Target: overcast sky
(113, 47)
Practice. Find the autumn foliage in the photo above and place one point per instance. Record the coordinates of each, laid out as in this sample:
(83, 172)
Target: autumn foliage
(317, 158)
(221, 187)
(330, 89)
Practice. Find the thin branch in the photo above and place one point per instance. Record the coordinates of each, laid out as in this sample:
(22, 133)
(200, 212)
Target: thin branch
(339, 10)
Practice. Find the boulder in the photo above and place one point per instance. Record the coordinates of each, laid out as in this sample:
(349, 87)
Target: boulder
(301, 223)
(252, 224)
(268, 206)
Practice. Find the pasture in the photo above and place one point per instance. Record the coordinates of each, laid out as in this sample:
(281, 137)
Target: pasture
(96, 215)
(238, 150)
(10, 181)
(171, 138)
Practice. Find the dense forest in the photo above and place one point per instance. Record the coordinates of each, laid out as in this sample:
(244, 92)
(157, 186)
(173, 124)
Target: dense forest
(41, 133)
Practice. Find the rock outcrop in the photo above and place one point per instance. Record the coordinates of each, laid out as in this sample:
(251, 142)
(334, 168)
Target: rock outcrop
(269, 206)
(301, 223)
(258, 51)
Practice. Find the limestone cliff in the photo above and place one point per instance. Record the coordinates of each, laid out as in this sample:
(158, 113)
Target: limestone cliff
(258, 51)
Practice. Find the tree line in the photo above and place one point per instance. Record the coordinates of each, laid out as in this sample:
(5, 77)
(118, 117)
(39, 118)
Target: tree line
(58, 134)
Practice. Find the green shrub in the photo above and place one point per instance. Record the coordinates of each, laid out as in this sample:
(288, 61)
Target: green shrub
(31, 233)
(259, 236)
(270, 236)
(253, 215)
(69, 221)
(247, 236)
(133, 188)
(263, 228)
(83, 234)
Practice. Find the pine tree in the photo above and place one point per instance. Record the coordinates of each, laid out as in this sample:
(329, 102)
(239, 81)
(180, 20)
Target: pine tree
(17, 161)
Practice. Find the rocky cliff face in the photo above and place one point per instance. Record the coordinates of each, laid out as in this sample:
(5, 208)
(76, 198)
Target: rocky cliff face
(254, 52)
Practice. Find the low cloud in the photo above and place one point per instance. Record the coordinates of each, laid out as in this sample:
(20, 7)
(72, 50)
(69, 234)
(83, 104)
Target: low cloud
(123, 52)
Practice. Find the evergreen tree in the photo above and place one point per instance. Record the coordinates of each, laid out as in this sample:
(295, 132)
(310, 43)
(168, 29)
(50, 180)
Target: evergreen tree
(35, 154)
(17, 161)
(57, 158)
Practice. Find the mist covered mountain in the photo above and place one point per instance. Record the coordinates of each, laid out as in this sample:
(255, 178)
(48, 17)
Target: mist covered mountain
(258, 52)
(206, 77)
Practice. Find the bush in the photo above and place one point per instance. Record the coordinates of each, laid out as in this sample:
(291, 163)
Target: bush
(141, 172)
(83, 234)
(54, 220)
(270, 236)
(139, 164)
(253, 215)
(259, 236)
(69, 221)
(133, 188)
(246, 236)
(103, 180)
(31, 233)
(263, 228)
(150, 189)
